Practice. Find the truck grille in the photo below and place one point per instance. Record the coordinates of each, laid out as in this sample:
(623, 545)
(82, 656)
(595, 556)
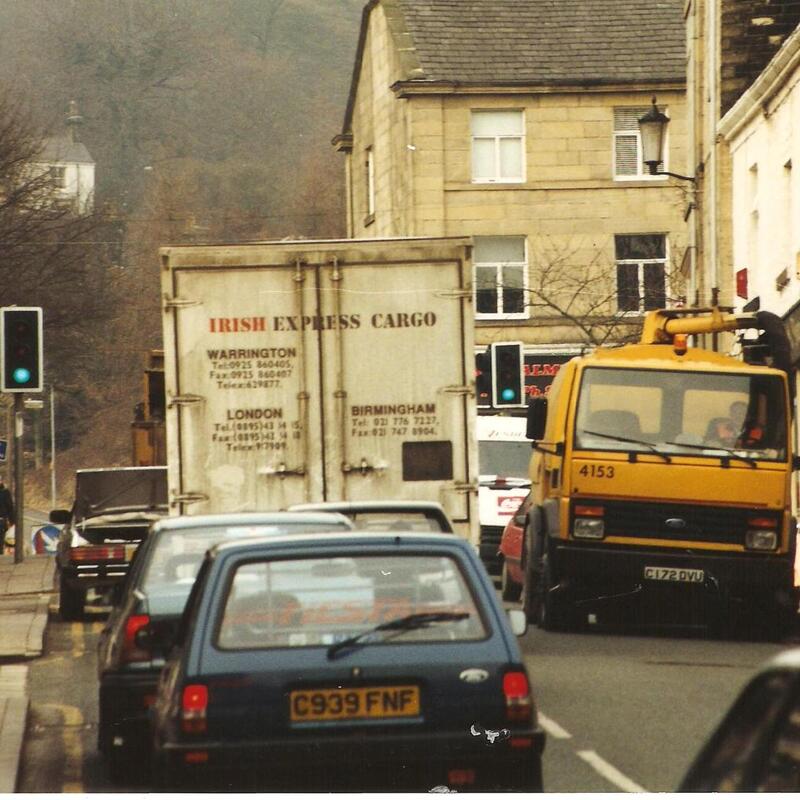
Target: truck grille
(687, 523)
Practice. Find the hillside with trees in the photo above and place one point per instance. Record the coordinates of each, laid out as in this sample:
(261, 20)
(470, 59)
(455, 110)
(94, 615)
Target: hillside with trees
(209, 120)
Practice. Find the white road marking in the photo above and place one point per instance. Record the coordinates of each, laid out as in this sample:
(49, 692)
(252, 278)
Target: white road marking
(553, 728)
(610, 773)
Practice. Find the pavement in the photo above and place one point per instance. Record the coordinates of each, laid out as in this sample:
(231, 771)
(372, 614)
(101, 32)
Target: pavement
(25, 592)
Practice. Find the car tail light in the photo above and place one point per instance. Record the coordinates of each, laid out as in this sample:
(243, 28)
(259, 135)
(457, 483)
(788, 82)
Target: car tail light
(520, 742)
(194, 707)
(96, 553)
(131, 651)
(461, 777)
(517, 691)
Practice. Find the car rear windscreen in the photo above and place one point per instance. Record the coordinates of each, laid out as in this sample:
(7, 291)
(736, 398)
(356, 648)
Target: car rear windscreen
(321, 601)
(177, 554)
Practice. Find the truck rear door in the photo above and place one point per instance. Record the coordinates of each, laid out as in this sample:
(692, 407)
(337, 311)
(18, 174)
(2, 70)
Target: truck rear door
(309, 371)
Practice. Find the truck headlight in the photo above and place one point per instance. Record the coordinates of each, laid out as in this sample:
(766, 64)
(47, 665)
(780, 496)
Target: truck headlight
(761, 540)
(588, 528)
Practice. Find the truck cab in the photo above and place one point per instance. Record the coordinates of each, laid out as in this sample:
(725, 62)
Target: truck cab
(663, 471)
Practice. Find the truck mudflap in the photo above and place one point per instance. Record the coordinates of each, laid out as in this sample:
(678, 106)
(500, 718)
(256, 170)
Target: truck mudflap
(594, 571)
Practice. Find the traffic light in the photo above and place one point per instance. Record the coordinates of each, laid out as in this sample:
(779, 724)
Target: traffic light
(483, 379)
(21, 367)
(507, 377)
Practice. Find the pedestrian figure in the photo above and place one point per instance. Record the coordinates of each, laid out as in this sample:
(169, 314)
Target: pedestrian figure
(6, 513)
(6, 506)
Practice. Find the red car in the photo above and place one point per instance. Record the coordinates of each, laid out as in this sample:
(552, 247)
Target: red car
(511, 551)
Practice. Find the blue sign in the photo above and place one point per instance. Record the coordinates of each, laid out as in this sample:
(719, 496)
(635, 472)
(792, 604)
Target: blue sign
(44, 540)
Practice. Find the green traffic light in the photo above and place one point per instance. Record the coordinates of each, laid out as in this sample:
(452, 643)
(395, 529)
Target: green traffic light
(21, 375)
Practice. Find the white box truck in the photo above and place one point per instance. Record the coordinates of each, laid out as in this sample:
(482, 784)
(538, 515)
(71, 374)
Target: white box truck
(309, 371)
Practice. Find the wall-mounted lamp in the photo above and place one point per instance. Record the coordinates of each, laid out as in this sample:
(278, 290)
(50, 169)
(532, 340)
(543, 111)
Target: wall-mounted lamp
(652, 127)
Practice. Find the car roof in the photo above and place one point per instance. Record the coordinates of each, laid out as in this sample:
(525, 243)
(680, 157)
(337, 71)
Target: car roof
(361, 541)
(252, 518)
(372, 505)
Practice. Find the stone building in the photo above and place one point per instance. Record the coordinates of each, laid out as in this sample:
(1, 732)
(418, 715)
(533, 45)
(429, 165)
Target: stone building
(729, 44)
(762, 130)
(515, 122)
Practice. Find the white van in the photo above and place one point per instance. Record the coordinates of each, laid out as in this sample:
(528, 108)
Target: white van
(503, 456)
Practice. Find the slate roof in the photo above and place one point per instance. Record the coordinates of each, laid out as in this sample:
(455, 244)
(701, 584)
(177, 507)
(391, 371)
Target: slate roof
(62, 150)
(546, 41)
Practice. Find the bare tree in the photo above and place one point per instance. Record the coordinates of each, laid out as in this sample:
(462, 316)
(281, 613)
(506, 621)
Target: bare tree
(575, 283)
(53, 258)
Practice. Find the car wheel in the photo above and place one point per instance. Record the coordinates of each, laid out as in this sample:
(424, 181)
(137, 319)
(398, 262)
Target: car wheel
(531, 565)
(70, 602)
(103, 736)
(163, 777)
(519, 778)
(781, 621)
(509, 590)
(529, 580)
(552, 609)
(119, 766)
(530, 779)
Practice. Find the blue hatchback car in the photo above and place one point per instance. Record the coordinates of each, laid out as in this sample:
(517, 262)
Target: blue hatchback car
(152, 599)
(356, 661)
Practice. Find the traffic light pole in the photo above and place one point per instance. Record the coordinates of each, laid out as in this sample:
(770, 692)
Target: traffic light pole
(19, 479)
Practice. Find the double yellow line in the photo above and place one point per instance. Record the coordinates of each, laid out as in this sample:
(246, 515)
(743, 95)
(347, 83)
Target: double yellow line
(73, 721)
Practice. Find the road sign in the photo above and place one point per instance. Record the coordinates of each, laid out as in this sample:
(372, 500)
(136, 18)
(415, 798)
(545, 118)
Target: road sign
(3, 449)
(44, 539)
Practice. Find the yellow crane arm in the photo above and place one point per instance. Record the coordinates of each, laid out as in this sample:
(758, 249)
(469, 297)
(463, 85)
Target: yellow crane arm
(661, 326)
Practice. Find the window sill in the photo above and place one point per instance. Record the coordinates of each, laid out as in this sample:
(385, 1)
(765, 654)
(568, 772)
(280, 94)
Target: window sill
(499, 182)
(509, 320)
(640, 178)
(369, 219)
(555, 185)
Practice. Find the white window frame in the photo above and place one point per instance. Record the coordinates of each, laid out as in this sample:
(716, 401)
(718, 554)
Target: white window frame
(58, 174)
(497, 139)
(499, 266)
(640, 262)
(642, 172)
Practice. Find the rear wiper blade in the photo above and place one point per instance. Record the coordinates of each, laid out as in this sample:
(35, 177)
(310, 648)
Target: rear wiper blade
(649, 445)
(750, 460)
(410, 622)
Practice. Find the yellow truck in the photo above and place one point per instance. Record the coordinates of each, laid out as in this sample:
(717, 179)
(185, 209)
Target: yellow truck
(661, 473)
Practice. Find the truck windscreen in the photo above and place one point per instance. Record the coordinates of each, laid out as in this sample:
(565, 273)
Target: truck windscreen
(691, 413)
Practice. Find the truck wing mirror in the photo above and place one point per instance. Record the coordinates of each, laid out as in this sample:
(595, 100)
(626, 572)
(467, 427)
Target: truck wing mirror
(795, 463)
(60, 516)
(537, 417)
